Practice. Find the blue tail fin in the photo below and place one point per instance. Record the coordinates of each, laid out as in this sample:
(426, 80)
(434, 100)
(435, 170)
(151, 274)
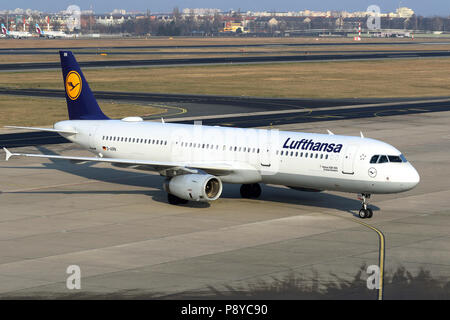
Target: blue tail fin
(81, 103)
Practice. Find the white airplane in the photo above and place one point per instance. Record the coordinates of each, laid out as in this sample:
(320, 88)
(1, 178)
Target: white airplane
(197, 159)
(15, 34)
(50, 34)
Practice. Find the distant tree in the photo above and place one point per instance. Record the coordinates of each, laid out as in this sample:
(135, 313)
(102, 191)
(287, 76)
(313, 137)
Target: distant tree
(437, 24)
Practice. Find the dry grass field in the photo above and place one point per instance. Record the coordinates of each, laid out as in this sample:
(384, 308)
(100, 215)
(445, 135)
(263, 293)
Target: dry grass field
(349, 79)
(168, 41)
(24, 111)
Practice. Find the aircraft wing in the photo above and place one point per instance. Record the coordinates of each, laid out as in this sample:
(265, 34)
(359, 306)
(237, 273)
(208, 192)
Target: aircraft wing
(165, 168)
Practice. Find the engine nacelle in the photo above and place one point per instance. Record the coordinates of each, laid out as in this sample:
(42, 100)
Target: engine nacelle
(194, 187)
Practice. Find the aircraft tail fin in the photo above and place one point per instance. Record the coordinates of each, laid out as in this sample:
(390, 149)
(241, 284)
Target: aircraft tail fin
(81, 103)
(38, 29)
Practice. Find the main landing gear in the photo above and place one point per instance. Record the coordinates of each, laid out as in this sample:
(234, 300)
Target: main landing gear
(250, 191)
(365, 212)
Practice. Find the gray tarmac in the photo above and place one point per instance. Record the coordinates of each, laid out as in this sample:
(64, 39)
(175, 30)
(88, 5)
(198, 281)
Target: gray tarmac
(116, 226)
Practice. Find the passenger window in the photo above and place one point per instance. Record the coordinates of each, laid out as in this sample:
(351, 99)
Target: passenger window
(383, 159)
(374, 159)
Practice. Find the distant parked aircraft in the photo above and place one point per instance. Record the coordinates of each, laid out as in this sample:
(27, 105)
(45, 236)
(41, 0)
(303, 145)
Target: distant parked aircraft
(50, 34)
(15, 34)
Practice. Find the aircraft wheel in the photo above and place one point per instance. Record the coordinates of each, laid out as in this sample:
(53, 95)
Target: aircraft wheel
(255, 190)
(363, 213)
(175, 200)
(369, 213)
(250, 191)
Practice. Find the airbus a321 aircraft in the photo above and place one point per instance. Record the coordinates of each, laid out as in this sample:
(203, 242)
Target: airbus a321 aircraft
(195, 160)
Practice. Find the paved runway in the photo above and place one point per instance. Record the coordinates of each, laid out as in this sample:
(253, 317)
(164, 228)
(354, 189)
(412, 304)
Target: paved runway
(227, 60)
(116, 225)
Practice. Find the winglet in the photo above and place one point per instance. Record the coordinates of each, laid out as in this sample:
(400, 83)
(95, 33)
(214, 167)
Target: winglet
(8, 154)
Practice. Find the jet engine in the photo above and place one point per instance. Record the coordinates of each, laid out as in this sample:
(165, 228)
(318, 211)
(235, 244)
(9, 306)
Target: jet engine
(194, 187)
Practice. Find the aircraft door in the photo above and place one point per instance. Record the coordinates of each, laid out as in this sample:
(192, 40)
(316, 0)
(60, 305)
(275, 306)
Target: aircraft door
(264, 156)
(348, 162)
(92, 144)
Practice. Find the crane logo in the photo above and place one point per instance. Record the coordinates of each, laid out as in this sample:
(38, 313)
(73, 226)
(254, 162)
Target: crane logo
(73, 85)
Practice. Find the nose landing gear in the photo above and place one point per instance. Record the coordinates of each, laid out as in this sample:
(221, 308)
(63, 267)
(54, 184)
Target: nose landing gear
(365, 211)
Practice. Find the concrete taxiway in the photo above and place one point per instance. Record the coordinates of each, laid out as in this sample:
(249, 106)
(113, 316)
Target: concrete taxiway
(116, 226)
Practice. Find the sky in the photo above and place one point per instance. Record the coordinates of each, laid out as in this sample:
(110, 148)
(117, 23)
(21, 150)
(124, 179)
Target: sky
(426, 8)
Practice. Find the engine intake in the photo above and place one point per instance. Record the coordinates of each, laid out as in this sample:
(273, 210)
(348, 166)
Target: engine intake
(194, 187)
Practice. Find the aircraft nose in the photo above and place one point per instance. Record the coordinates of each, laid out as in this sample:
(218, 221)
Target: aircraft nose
(412, 179)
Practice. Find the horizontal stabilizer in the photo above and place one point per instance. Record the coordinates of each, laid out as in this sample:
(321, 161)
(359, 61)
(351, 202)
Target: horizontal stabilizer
(44, 129)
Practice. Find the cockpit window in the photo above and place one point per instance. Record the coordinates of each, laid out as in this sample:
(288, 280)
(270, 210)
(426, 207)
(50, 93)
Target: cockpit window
(395, 159)
(374, 159)
(383, 159)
